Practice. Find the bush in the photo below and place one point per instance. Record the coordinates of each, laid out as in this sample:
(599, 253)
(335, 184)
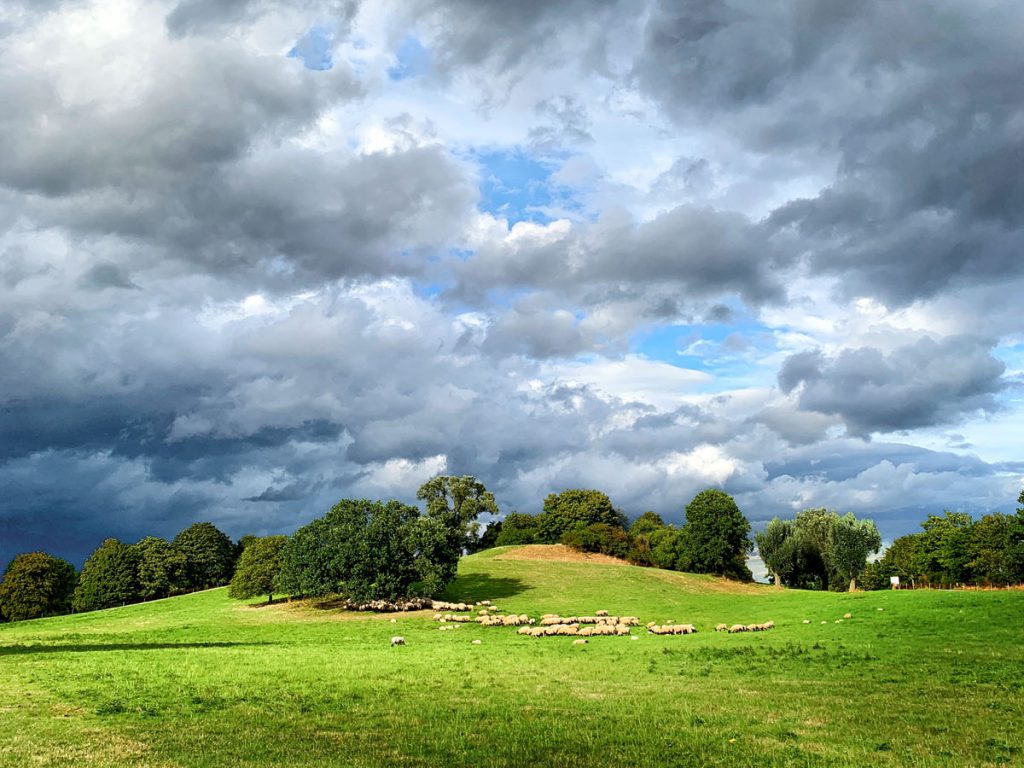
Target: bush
(599, 537)
(517, 528)
(574, 509)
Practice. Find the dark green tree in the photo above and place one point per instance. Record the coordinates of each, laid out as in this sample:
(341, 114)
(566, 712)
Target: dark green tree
(35, 585)
(457, 502)
(209, 555)
(517, 528)
(161, 568)
(575, 508)
(716, 536)
(945, 548)
(258, 568)
(109, 578)
(370, 550)
(666, 547)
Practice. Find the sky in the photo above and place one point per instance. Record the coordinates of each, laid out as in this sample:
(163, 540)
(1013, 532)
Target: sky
(258, 256)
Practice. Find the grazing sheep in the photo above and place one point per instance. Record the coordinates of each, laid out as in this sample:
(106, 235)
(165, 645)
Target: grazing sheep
(737, 628)
(446, 627)
(824, 622)
(847, 615)
(839, 621)
(394, 621)
(651, 624)
(630, 621)
(633, 637)
(879, 609)
(807, 621)
(397, 640)
(600, 613)
(579, 642)
(621, 629)
(485, 602)
(476, 642)
(721, 627)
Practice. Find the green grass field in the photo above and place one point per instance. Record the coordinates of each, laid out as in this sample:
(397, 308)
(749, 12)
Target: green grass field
(936, 678)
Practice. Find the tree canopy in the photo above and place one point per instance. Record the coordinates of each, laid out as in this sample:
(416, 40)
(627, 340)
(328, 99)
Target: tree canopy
(209, 555)
(109, 577)
(258, 568)
(456, 502)
(161, 568)
(716, 536)
(36, 584)
(369, 550)
(575, 508)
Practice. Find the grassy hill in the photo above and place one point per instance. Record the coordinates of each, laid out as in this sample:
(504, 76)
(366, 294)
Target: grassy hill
(935, 678)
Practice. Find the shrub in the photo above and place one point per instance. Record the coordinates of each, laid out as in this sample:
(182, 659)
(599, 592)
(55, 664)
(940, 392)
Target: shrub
(36, 584)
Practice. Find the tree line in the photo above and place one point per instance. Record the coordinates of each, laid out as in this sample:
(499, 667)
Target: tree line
(38, 584)
(953, 549)
(715, 537)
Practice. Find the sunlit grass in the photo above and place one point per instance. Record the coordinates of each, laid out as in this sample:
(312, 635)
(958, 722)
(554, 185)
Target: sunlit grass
(935, 678)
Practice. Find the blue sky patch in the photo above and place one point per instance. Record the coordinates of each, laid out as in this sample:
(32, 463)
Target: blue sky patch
(515, 185)
(314, 49)
(412, 60)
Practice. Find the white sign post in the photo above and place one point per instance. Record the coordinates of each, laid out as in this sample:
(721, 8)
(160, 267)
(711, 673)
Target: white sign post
(894, 581)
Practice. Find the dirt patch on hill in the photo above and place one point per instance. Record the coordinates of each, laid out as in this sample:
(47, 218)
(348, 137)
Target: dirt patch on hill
(558, 553)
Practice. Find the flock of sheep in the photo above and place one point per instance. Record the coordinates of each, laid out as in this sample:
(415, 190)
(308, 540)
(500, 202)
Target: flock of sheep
(451, 615)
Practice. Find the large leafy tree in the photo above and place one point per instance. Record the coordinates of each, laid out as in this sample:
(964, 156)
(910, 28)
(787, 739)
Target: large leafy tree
(371, 550)
(258, 568)
(575, 508)
(456, 502)
(36, 584)
(109, 578)
(209, 555)
(716, 536)
(850, 541)
(161, 568)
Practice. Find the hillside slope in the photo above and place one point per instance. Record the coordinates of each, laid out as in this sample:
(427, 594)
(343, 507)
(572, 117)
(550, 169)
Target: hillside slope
(932, 679)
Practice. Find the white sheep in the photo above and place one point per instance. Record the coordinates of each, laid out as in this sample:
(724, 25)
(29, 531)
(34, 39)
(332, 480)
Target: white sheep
(580, 641)
(397, 640)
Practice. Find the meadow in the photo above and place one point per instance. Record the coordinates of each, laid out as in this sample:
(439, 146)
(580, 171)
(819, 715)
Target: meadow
(927, 678)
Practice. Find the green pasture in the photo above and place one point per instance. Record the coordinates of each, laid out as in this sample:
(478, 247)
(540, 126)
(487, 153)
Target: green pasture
(932, 679)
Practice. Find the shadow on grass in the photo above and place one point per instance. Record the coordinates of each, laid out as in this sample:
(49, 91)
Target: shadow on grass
(479, 586)
(15, 650)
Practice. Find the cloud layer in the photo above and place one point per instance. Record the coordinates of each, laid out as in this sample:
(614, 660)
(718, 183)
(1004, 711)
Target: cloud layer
(257, 256)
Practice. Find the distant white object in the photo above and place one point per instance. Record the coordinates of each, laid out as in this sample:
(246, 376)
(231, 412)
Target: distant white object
(397, 640)
(634, 637)
(476, 642)
(807, 621)
(894, 581)
(394, 621)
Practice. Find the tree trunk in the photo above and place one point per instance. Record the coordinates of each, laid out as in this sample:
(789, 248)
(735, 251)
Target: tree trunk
(777, 580)
(853, 585)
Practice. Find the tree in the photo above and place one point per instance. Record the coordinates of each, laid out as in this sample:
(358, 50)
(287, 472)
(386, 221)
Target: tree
(902, 558)
(850, 541)
(990, 547)
(575, 508)
(161, 568)
(369, 550)
(517, 528)
(209, 555)
(775, 544)
(109, 578)
(945, 547)
(258, 568)
(811, 568)
(716, 536)
(666, 547)
(36, 584)
(457, 502)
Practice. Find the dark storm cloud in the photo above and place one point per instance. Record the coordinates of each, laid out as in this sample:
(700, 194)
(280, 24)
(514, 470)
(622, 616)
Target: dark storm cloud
(918, 385)
(919, 103)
